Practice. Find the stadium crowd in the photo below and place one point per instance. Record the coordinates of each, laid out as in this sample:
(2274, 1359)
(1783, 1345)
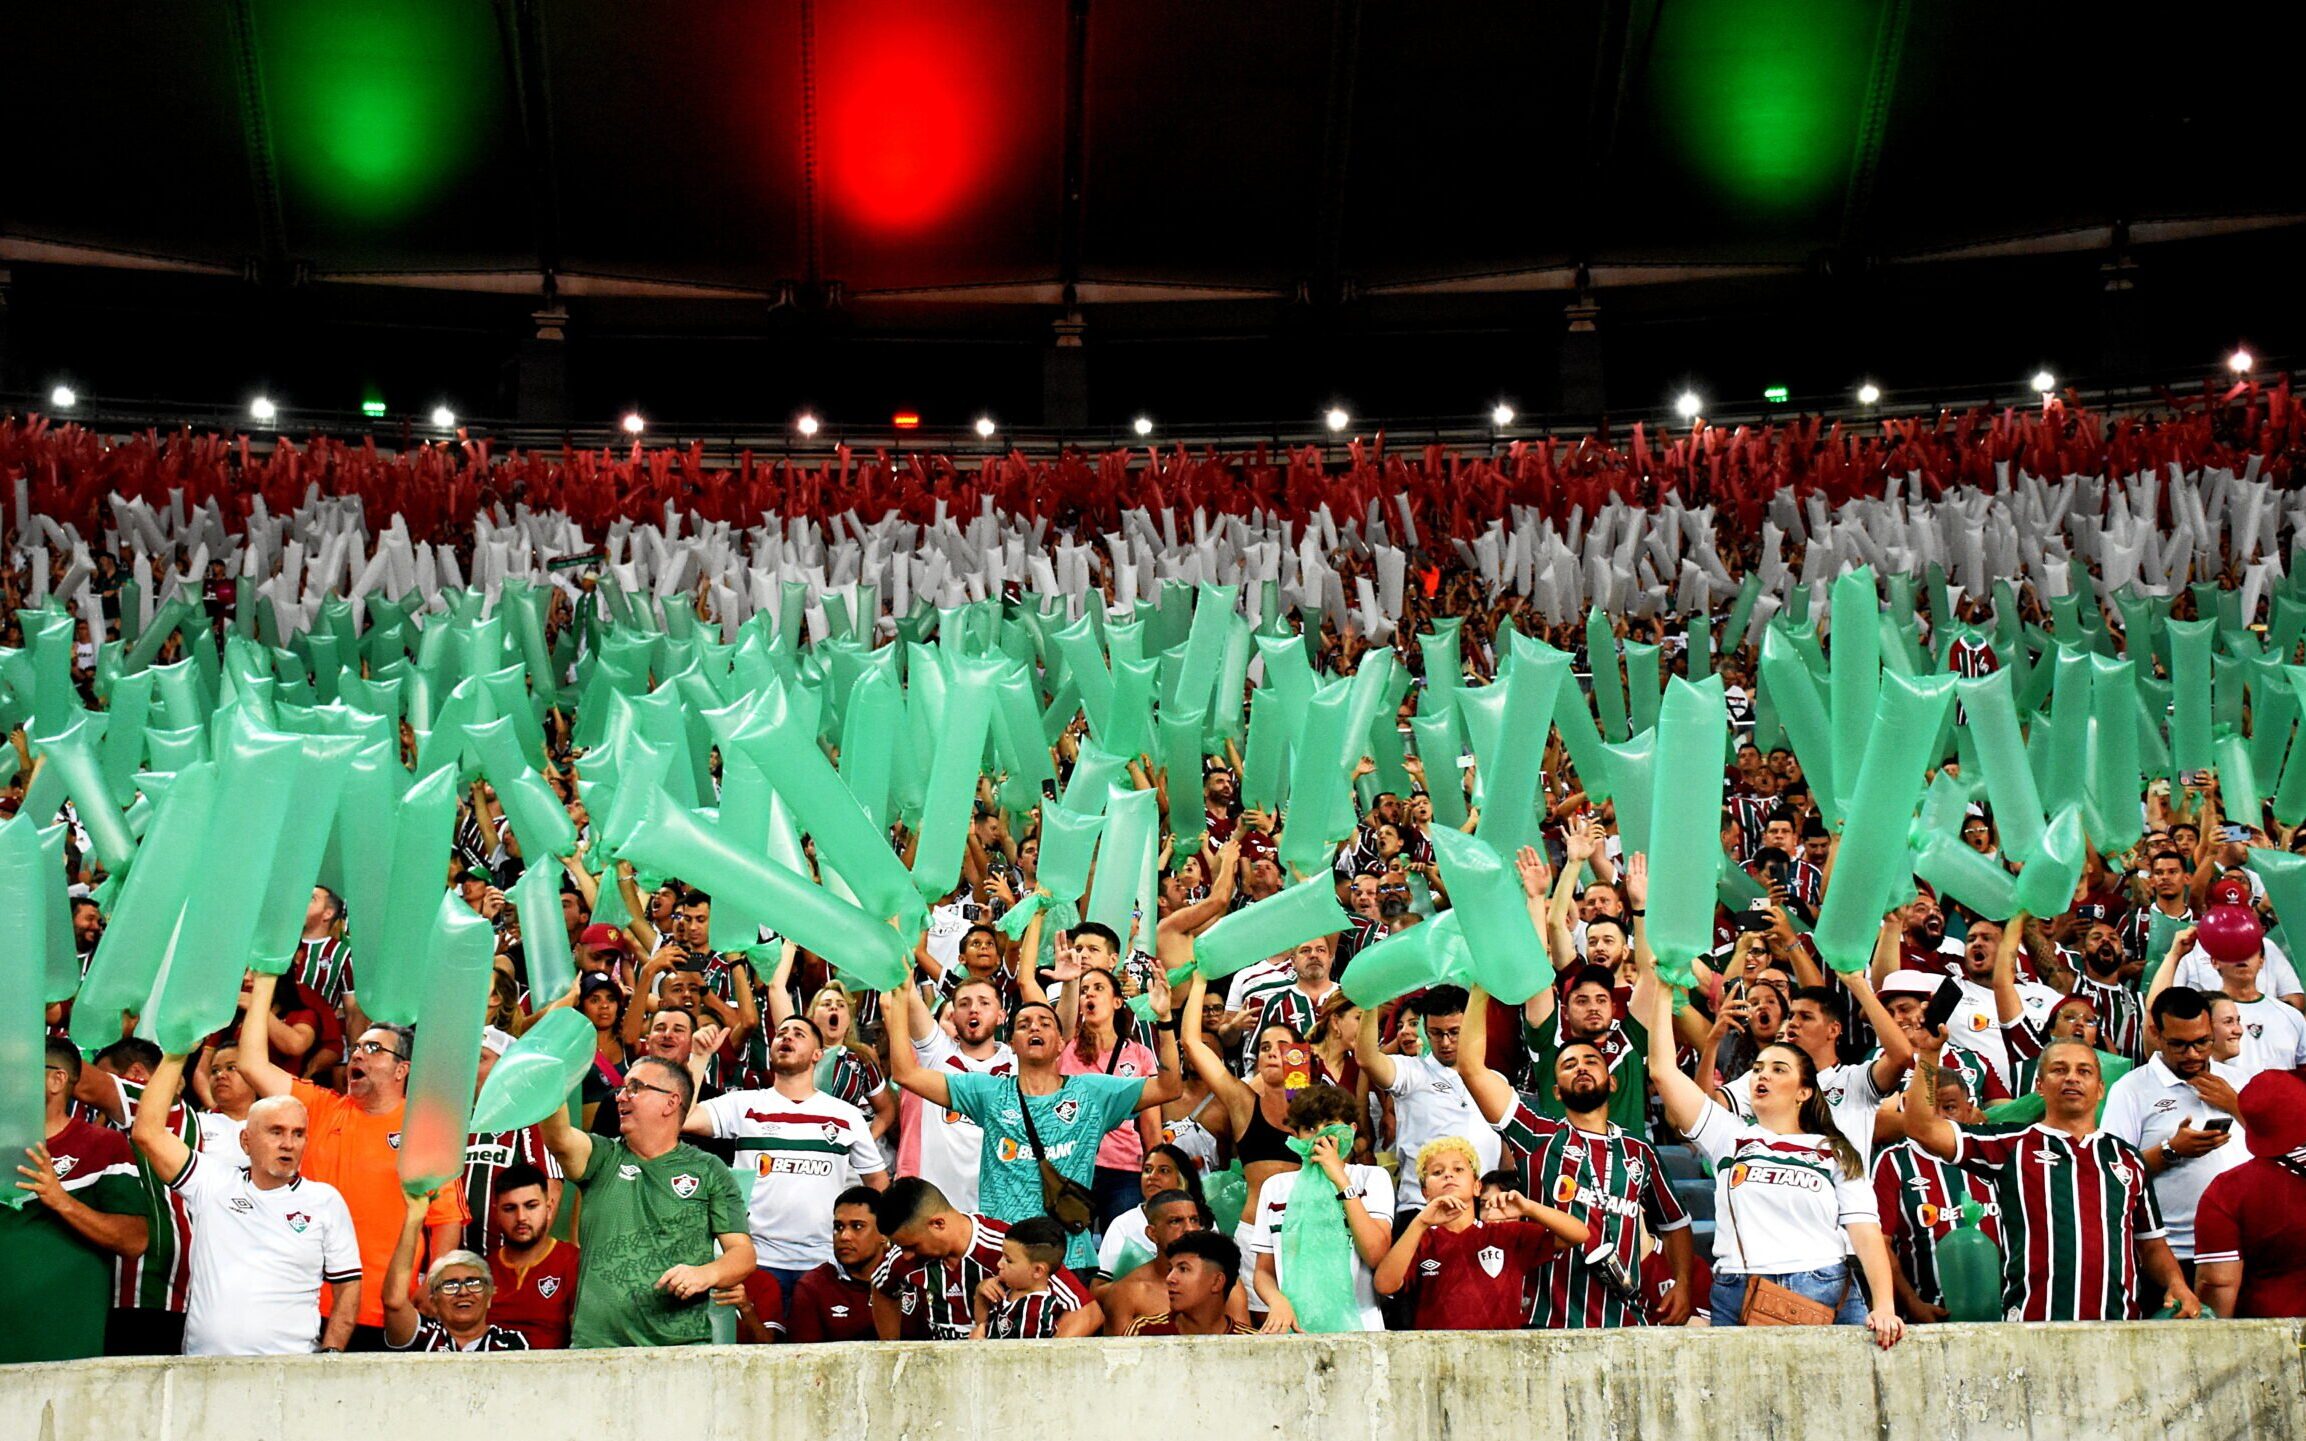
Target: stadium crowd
(1048, 1125)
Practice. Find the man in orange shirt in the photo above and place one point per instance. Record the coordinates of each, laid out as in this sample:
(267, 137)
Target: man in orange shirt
(354, 1146)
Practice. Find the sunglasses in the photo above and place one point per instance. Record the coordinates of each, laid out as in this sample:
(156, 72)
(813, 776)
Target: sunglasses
(376, 1048)
(634, 1088)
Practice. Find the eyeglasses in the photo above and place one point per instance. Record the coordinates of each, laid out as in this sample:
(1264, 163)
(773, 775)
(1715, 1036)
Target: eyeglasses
(376, 1048)
(460, 1285)
(2177, 1045)
(634, 1088)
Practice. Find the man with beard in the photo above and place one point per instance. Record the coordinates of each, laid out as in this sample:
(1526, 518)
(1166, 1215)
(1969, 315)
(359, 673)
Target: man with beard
(1298, 1005)
(1040, 1115)
(805, 1146)
(2169, 901)
(1996, 1020)
(1365, 924)
(535, 1274)
(355, 1145)
(1429, 1097)
(2121, 1015)
(487, 1155)
(1584, 1162)
(942, 1147)
(1922, 943)
(263, 1235)
(2179, 1110)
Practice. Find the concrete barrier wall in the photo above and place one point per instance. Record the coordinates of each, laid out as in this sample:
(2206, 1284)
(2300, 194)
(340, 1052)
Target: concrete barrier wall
(2203, 1379)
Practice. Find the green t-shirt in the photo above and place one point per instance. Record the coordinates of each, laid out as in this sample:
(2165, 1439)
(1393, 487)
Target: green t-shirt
(1626, 1047)
(640, 1219)
(1071, 1121)
(55, 1287)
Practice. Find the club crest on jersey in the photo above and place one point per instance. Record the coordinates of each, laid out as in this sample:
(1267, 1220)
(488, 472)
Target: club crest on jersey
(549, 1287)
(908, 1301)
(392, 1139)
(1492, 1259)
(684, 1185)
(2257, 1030)
(833, 1131)
(297, 1221)
(62, 1165)
(1067, 1110)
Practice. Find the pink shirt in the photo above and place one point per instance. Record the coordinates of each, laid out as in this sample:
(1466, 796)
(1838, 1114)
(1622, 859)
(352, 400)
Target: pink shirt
(1123, 1148)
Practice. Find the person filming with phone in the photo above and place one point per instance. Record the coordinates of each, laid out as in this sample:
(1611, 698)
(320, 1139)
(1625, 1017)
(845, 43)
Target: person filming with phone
(2178, 1110)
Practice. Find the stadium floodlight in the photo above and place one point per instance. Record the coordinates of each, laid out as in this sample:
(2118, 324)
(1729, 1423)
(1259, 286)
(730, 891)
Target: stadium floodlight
(806, 425)
(262, 410)
(985, 427)
(633, 423)
(1143, 425)
(1869, 394)
(1687, 405)
(63, 397)
(443, 418)
(2240, 362)
(1502, 416)
(1337, 419)
(2044, 382)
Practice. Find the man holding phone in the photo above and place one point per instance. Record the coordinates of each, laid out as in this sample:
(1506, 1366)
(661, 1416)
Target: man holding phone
(2178, 1110)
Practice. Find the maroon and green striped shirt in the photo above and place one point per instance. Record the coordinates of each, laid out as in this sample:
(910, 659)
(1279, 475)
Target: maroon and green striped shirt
(2074, 1213)
(1612, 1182)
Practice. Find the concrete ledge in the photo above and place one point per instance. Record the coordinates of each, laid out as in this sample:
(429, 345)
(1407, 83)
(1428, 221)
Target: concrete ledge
(2207, 1379)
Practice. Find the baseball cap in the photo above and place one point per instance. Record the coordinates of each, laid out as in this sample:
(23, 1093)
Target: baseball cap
(2229, 891)
(495, 1041)
(1908, 983)
(595, 981)
(602, 938)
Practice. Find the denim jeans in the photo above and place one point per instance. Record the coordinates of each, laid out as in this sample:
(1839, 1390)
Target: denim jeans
(1826, 1286)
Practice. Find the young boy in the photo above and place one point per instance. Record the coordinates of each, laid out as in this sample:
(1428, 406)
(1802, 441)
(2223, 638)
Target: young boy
(1031, 1296)
(1471, 1255)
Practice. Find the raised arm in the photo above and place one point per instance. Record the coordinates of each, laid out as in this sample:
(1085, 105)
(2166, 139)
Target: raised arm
(569, 1144)
(1166, 1085)
(2008, 1006)
(163, 1149)
(1369, 1050)
(1927, 1129)
(256, 1066)
(2167, 971)
(1492, 1092)
(905, 1068)
(1237, 1098)
(400, 1314)
(1684, 1101)
(1897, 1051)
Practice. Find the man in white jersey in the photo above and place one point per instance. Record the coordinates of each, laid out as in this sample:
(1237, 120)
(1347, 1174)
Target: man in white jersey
(805, 1146)
(264, 1238)
(1429, 1097)
(943, 1147)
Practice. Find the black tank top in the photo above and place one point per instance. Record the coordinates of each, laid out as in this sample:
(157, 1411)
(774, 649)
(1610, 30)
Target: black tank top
(1264, 1141)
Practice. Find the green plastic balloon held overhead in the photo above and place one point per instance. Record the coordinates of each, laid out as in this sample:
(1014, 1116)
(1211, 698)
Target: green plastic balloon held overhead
(1507, 955)
(1269, 927)
(1873, 857)
(1684, 850)
(24, 882)
(458, 969)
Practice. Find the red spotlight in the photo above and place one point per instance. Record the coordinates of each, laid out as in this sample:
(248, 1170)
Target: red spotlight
(905, 420)
(907, 117)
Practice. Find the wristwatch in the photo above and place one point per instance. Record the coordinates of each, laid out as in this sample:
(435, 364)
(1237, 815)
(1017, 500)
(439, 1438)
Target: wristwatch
(1352, 1193)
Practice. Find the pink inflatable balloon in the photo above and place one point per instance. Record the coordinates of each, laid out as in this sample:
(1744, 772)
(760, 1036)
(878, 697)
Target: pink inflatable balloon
(2230, 933)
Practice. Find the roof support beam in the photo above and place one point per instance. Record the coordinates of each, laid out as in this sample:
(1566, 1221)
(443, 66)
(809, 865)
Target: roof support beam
(1336, 151)
(1874, 120)
(521, 24)
(256, 138)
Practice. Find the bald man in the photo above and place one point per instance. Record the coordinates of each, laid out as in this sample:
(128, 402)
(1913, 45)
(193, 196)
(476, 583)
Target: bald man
(265, 1240)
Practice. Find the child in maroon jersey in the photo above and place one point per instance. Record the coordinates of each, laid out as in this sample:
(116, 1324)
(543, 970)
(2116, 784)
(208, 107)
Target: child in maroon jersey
(1032, 1297)
(1470, 1260)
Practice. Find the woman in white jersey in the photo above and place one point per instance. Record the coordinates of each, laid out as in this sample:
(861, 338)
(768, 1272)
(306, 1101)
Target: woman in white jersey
(1791, 1199)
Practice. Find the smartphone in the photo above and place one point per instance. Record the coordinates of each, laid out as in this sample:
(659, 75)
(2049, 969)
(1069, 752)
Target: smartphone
(1941, 1007)
(2219, 1124)
(2234, 835)
(2194, 780)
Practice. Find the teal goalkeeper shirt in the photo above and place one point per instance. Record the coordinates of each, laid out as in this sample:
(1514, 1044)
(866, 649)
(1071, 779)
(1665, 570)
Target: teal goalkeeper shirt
(1072, 1120)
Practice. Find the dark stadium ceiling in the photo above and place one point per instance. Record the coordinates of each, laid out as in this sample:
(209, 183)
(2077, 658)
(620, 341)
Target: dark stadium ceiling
(701, 163)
